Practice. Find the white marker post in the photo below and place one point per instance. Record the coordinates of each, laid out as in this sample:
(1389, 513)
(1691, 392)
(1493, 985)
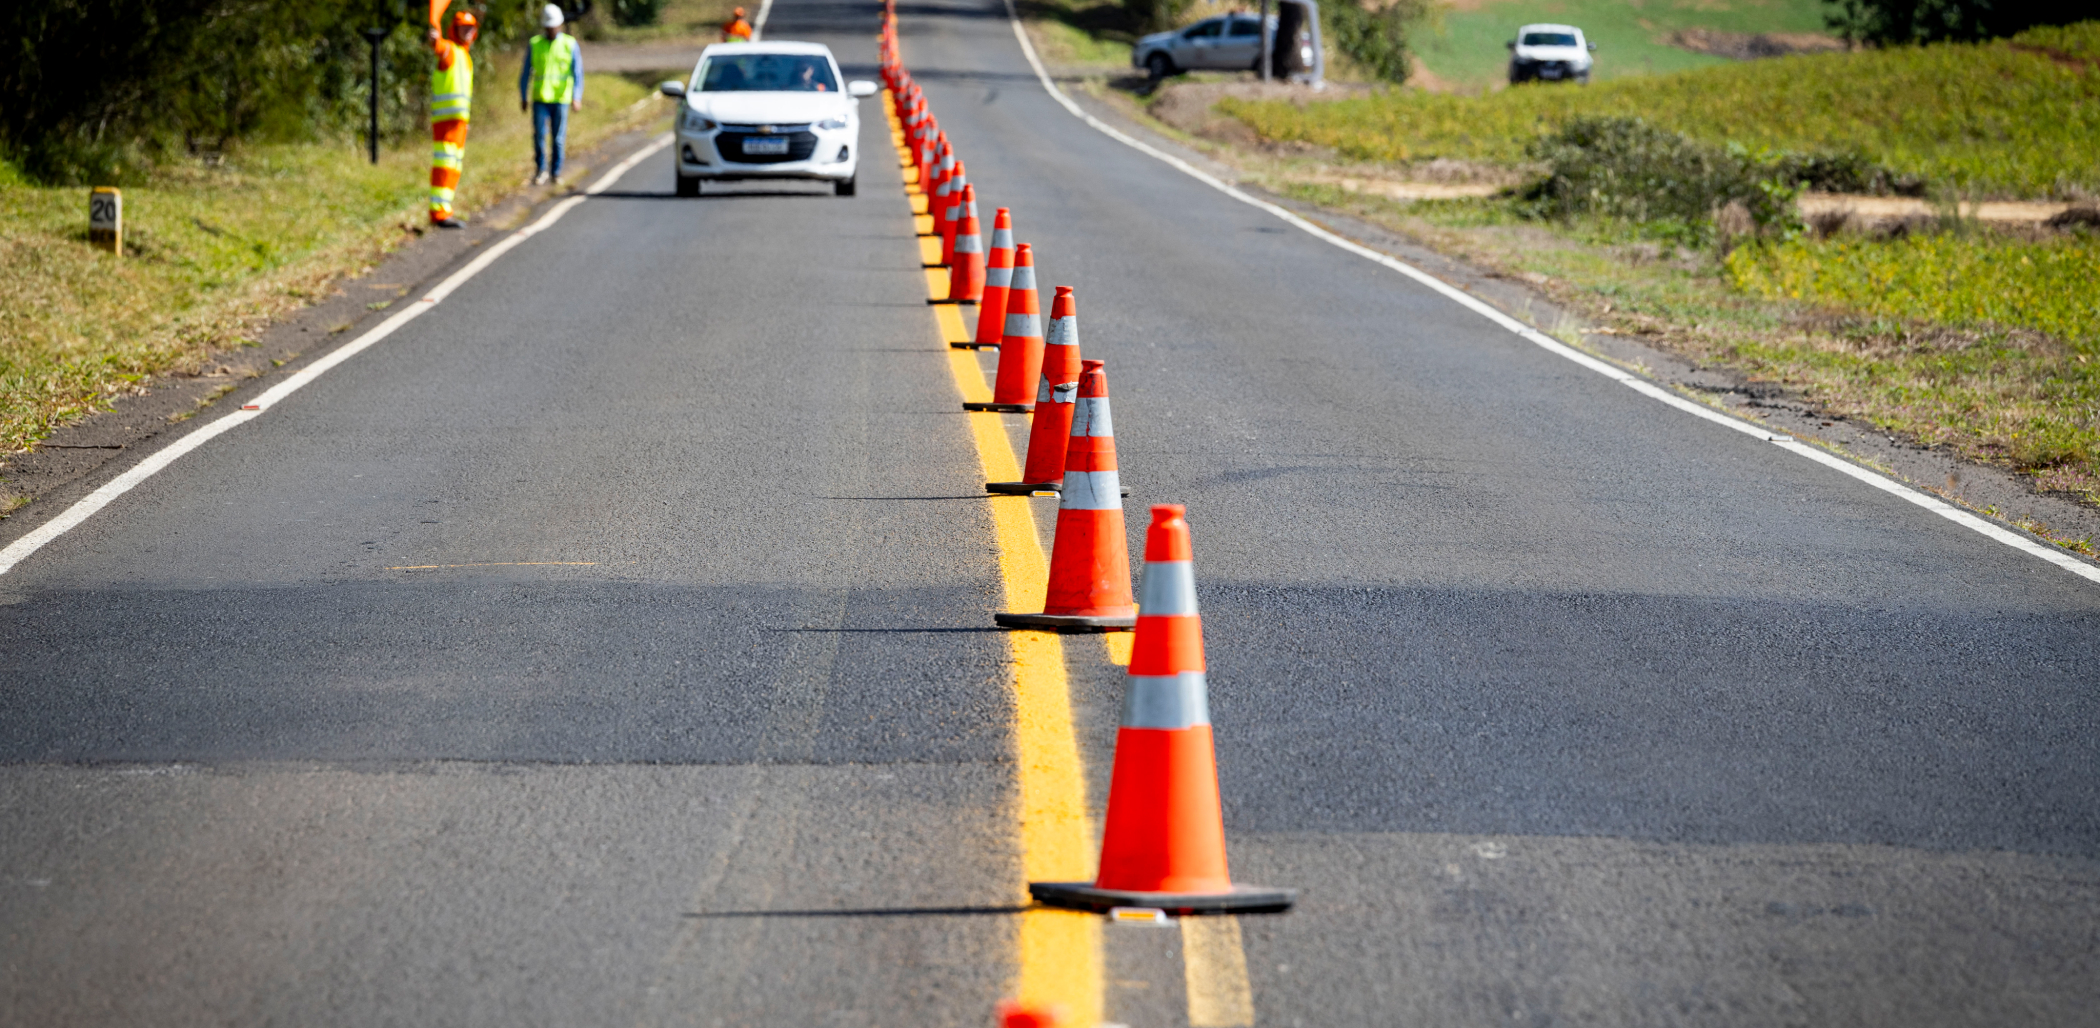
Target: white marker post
(106, 219)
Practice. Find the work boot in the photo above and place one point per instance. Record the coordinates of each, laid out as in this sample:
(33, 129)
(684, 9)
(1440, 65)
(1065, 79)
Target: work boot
(556, 179)
(539, 178)
(449, 222)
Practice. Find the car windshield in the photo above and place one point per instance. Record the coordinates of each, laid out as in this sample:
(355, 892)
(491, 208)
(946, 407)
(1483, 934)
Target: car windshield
(771, 73)
(1548, 39)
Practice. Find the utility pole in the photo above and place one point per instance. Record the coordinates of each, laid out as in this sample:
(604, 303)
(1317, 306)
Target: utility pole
(375, 35)
(1268, 42)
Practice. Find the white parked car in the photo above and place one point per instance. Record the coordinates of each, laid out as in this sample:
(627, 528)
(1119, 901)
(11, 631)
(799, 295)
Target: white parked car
(768, 110)
(1550, 53)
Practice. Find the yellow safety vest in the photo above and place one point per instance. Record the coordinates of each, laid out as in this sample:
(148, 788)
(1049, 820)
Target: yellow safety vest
(452, 89)
(553, 65)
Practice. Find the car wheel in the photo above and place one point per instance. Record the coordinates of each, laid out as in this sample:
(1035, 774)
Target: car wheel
(843, 187)
(1582, 79)
(688, 185)
(1160, 65)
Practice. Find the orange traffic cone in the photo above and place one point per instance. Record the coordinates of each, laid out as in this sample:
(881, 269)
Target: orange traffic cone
(998, 275)
(1021, 346)
(1163, 841)
(951, 214)
(1049, 433)
(966, 270)
(1089, 561)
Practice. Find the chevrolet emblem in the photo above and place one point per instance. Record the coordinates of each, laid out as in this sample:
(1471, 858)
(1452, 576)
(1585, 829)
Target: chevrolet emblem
(769, 129)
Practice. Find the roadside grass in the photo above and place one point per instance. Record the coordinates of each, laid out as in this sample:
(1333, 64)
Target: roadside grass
(212, 252)
(1078, 35)
(1466, 48)
(1984, 384)
(1986, 120)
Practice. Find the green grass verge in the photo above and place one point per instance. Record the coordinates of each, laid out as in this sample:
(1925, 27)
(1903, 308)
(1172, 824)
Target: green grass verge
(212, 252)
(1853, 325)
(1990, 119)
(1465, 48)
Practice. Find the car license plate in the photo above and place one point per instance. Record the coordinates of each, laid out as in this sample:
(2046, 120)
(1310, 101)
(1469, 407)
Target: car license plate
(763, 145)
(1549, 73)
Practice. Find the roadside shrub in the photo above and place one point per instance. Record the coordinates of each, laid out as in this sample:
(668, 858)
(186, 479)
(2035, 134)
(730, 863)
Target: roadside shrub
(96, 89)
(1895, 22)
(1626, 168)
(634, 13)
(1157, 15)
(1375, 38)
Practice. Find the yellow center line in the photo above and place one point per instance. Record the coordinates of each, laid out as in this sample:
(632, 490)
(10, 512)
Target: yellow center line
(1059, 951)
(498, 564)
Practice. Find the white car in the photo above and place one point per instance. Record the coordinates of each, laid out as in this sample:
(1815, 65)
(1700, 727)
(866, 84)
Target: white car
(768, 110)
(1550, 53)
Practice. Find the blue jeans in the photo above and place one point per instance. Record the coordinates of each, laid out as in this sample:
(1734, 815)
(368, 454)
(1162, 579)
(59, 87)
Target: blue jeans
(546, 118)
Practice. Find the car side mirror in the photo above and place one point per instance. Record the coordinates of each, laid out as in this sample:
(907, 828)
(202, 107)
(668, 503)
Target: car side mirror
(1593, 48)
(860, 87)
(1511, 45)
(672, 87)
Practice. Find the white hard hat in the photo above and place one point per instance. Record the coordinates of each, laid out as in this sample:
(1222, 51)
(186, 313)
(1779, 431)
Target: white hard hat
(551, 17)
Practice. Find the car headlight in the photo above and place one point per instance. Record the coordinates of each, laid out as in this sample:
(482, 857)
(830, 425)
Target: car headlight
(694, 122)
(833, 124)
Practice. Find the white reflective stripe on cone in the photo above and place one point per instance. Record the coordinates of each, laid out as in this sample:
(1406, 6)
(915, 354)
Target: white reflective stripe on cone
(969, 244)
(1002, 239)
(1024, 278)
(1042, 389)
(1169, 588)
(998, 276)
(1166, 701)
(1090, 415)
(1091, 490)
(1064, 392)
(1027, 326)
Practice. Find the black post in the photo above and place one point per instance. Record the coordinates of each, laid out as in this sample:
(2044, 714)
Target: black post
(1268, 42)
(375, 36)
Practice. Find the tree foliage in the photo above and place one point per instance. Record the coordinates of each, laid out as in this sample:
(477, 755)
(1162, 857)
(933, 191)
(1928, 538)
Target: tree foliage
(1895, 22)
(93, 89)
(1375, 37)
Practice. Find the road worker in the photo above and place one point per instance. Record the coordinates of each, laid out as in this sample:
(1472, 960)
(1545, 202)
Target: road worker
(736, 29)
(550, 85)
(451, 98)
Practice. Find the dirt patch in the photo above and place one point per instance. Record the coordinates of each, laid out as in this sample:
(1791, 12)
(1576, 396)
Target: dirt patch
(1829, 211)
(1745, 46)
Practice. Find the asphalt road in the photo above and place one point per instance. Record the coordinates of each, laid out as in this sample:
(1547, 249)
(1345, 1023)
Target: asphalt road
(1559, 705)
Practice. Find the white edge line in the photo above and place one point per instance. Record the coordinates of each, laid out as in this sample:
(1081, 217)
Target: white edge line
(86, 506)
(1558, 348)
(758, 27)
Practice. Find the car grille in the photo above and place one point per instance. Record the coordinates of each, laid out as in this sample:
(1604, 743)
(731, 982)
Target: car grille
(801, 144)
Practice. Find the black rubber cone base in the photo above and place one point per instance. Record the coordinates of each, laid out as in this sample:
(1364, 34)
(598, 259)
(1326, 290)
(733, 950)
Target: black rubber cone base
(1243, 899)
(1001, 408)
(1031, 488)
(1065, 622)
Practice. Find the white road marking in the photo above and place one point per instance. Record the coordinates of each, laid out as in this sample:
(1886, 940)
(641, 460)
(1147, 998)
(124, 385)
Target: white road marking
(758, 27)
(1560, 349)
(87, 506)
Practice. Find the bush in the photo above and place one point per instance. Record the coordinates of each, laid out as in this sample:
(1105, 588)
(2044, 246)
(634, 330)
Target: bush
(1375, 39)
(96, 88)
(1157, 15)
(632, 13)
(1893, 22)
(1626, 168)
